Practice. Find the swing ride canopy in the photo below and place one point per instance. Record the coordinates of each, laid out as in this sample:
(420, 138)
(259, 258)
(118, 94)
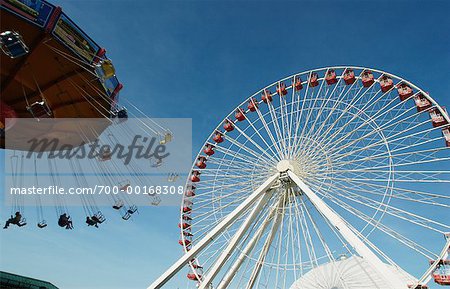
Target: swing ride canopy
(61, 72)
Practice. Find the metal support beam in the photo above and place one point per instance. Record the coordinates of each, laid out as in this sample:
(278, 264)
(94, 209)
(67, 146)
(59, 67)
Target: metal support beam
(391, 280)
(246, 251)
(273, 232)
(233, 243)
(203, 243)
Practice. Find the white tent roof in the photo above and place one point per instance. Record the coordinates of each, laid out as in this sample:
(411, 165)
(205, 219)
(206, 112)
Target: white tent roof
(351, 273)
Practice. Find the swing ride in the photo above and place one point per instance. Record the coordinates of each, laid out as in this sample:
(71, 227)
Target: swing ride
(52, 70)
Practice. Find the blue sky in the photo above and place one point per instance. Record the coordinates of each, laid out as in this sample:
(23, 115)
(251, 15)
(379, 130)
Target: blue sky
(199, 59)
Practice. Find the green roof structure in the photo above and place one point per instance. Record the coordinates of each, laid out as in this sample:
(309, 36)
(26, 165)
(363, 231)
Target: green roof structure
(13, 281)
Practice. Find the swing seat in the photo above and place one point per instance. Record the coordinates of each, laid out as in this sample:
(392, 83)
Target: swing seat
(107, 69)
(132, 209)
(167, 138)
(156, 201)
(118, 205)
(39, 110)
(157, 163)
(100, 217)
(42, 224)
(12, 44)
(126, 217)
(122, 115)
(22, 222)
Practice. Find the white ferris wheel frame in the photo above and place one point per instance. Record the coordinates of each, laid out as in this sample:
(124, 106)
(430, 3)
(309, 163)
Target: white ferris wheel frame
(259, 197)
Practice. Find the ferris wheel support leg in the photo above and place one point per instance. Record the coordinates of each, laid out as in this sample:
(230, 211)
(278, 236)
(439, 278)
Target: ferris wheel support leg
(391, 281)
(266, 247)
(246, 251)
(226, 222)
(442, 256)
(226, 253)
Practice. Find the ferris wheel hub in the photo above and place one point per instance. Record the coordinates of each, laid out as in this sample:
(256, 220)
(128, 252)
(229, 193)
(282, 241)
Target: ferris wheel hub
(285, 165)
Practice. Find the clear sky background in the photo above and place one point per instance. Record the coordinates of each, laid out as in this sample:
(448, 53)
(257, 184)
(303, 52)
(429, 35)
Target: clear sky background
(199, 59)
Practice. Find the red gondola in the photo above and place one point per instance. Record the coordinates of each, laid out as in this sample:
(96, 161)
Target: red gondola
(240, 114)
(252, 104)
(184, 225)
(218, 137)
(313, 79)
(189, 193)
(418, 287)
(404, 91)
(437, 118)
(349, 76)
(184, 242)
(281, 89)
(367, 78)
(201, 162)
(228, 125)
(266, 96)
(187, 218)
(297, 83)
(187, 206)
(195, 176)
(422, 103)
(441, 274)
(386, 83)
(330, 78)
(198, 273)
(209, 150)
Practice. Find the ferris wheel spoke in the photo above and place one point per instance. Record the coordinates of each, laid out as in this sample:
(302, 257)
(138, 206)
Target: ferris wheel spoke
(350, 105)
(268, 131)
(304, 117)
(393, 139)
(310, 112)
(277, 153)
(245, 158)
(415, 196)
(236, 185)
(252, 141)
(391, 154)
(247, 148)
(360, 111)
(384, 128)
(340, 98)
(345, 192)
(382, 227)
(295, 98)
(326, 99)
(276, 127)
(298, 119)
(284, 121)
(372, 120)
(233, 163)
(411, 163)
(423, 200)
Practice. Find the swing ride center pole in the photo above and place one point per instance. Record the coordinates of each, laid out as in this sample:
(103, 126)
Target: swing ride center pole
(226, 222)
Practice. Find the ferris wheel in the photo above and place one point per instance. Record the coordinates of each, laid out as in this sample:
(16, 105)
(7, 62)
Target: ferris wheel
(331, 178)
